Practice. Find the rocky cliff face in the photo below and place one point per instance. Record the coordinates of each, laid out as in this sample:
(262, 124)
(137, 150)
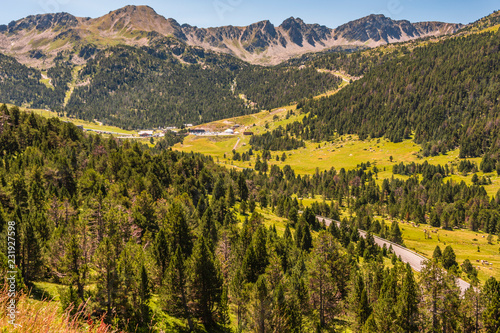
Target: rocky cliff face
(48, 35)
(378, 29)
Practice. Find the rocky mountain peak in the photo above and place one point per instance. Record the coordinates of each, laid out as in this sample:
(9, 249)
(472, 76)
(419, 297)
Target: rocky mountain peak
(131, 10)
(382, 29)
(260, 42)
(41, 22)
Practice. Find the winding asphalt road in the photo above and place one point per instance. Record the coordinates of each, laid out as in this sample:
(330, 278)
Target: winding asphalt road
(415, 260)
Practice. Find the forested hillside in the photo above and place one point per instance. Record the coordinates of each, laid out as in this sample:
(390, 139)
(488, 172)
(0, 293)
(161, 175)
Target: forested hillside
(21, 85)
(168, 83)
(146, 235)
(136, 88)
(278, 86)
(445, 93)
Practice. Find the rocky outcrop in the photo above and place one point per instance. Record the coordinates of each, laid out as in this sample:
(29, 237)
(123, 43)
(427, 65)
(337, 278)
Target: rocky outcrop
(260, 42)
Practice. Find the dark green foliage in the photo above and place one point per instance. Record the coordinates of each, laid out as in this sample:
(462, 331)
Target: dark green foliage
(21, 85)
(395, 233)
(161, 252)
(429, 92)
(359, 302)
(449, 257)
(148, 87)
(150, 91)
(174, 290)
(437, 254)
(469, 270)
(256, 257)
(204, 283)
(491, 298)
(134, 87)
(441, 298)
(278, 139)
(178, 229)
(408, 303)
(272, 87)
(88, 214)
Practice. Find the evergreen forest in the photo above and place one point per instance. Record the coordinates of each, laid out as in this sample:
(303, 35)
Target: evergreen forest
(144, 235)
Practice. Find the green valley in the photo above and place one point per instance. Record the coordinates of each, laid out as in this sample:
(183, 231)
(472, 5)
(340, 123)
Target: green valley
(157, 177)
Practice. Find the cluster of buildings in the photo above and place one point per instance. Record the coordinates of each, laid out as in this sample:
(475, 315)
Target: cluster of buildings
(207, 132)
(159, 134)
(199, 131)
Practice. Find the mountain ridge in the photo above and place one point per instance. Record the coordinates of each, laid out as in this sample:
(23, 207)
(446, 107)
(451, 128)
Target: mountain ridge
(258, 43)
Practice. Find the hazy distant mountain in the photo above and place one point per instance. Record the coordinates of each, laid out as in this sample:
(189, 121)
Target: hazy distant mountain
(37, 40)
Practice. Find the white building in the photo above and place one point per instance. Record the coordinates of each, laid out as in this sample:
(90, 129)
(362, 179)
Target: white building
(146, 134)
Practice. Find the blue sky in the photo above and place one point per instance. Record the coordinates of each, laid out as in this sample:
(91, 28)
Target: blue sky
(208, 13)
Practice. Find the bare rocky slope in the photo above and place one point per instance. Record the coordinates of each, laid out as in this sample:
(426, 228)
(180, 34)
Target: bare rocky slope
(38, 40)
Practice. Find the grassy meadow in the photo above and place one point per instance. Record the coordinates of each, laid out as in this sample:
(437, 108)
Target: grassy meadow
(344, 152)
(466, 244)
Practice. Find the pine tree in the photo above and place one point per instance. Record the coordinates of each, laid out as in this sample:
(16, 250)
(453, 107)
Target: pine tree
(174, 290)
(161, 252)
(261, 305)
(202, 205)
(449, 258)
(205, 283)
(293, 216)
(306, 242)
(251, 205)
(437, 255)
(490, 296)
(107, 283)
(74, 260)
(280, 319)
(219, 189)
(256, 258)
(239, 297)
(395, 234)
(323, 278)
(230, 197)
(242, 187)
(359, 302)
(209, 228)
(287, 236)
(243, 207)
(177, 229)
(384, 309)
(263, 198)
(31, 248)
(440, 297)
(408, 302)
(145, 295)
(435, 221)
(133, 287)
(299, 232)
(471, 309)
(223, 314)
(259, 243)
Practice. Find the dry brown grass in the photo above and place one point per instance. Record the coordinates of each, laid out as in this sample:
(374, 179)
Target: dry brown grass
(45, 316)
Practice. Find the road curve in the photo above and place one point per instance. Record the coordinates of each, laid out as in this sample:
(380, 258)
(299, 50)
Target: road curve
(415, 260)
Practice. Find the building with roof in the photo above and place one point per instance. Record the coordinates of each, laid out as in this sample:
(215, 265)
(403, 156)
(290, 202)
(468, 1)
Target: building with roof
(146, 134)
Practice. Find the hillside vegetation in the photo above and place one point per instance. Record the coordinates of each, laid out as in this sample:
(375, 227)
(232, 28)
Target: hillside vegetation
(444, 93)
(166, 84)
(151, 239)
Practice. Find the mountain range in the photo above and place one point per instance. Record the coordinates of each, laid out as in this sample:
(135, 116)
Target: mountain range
(37, 40)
